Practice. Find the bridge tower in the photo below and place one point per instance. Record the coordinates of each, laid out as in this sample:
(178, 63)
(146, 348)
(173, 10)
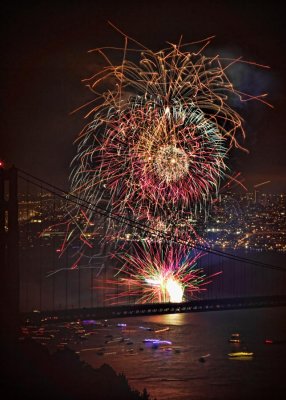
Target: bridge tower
(9, 254)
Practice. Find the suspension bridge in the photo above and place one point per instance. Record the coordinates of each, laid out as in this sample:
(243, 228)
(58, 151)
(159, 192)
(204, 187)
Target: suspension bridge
(37, 283)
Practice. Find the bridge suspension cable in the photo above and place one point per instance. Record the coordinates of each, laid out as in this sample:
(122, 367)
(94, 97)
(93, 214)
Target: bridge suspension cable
(108, 213)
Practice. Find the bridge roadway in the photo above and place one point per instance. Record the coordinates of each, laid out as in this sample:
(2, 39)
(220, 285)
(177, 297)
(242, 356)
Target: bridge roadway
(136, 310)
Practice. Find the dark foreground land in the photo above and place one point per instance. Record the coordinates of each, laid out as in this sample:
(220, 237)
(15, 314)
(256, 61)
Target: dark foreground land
(29, 371)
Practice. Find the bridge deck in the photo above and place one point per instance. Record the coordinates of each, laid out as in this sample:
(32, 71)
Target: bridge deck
(135, 310)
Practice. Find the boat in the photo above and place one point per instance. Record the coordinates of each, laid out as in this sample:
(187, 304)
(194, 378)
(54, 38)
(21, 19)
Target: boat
(62, 345)
(241, 354)
(157, 341)
(203, 358)
(272, 341)
(162, 330)
(146, 328)
(234, 338)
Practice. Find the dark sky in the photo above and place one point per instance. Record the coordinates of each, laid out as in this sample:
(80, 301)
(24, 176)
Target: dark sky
(44, 57)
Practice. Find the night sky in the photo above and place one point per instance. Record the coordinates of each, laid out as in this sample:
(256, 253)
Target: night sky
(44, 57)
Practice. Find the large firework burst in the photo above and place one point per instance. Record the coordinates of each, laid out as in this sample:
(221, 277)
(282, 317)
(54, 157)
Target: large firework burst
(154, 157)
(160, 135)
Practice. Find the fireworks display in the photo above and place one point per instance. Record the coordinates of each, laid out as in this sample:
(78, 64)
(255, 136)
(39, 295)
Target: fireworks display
(157, 272)
(155, 151)
(160, 136)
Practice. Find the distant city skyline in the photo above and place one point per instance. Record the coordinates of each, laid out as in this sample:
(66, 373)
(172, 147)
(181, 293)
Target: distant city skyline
(250, 221)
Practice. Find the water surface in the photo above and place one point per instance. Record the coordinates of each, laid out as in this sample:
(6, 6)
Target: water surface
(176, 372)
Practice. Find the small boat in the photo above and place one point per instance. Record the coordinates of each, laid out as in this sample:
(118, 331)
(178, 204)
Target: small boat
(62, 345)
(234, 338)
(157, 341)
(162, 330)
(146, 328)
(272, 341)
(241, 354)
(203, 358)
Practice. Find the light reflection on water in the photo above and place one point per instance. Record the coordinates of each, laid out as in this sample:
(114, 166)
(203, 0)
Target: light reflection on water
(170, 319)
(175, 372)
